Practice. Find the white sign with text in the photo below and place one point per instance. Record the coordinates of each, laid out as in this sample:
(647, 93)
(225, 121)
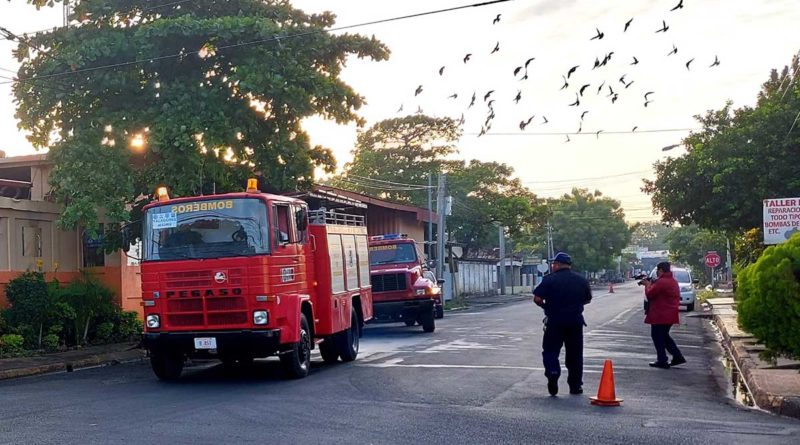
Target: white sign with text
(781, 219)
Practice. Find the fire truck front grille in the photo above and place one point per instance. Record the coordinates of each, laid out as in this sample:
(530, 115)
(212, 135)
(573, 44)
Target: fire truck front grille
(185, 305)
(227, 318)
(185, 319)
(225, 304)
(389, 282)
(194, 279)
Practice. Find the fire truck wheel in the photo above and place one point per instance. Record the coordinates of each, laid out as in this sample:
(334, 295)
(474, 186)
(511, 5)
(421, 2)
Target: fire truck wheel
(427, 321)
(411, 322)
(167, 366)
(348, 340)
(440, 311)
(297, 362)
(328, 350)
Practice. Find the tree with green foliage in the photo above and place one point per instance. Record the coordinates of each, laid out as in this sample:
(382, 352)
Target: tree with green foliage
(195, 95)
(739, 158)
(590, 227)
(393, 158)
(688, 245)
(768, 298)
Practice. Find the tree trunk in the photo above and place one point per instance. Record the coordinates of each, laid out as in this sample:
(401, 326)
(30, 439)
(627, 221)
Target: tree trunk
(41, 326)
(86, 327)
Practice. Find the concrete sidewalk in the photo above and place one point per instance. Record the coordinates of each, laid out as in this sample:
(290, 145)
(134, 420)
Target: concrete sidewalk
(67, 361)
(775, 387)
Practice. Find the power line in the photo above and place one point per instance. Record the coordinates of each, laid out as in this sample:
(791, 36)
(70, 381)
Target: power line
(387, 182)
(260, 41)
(587, 178)
(588, 133)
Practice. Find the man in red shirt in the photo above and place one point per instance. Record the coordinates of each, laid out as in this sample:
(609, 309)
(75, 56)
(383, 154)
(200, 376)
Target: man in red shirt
(664, 299)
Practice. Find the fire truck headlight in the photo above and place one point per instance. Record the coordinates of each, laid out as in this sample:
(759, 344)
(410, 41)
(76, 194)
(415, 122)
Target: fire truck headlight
(153, 321)
(260, 317)
(420, 292)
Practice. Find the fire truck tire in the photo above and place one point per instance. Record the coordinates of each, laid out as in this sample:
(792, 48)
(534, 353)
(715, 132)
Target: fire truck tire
(297, 361)
(348, 340)
(440, 311)
(428, 322)
(328, 350)
(411, 322)
(167, 366)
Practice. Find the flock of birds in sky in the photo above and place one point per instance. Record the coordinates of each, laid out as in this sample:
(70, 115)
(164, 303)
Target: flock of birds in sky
(612, 89)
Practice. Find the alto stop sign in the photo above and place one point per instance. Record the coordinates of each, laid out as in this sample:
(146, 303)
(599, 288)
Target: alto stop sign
(713, 259)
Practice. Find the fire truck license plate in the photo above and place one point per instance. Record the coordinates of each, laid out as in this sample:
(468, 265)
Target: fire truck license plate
(205, 343)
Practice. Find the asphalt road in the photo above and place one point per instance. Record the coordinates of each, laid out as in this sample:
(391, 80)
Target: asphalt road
(477, 379)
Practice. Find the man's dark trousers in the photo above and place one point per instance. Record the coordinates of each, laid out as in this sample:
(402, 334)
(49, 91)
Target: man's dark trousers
(663, 342)
(571, 336)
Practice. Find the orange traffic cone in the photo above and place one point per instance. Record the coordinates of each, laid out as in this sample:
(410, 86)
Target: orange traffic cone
(605, 393)
(610, 288)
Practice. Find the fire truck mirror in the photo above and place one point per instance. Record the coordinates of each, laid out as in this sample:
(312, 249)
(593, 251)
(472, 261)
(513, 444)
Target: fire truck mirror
(302, 220)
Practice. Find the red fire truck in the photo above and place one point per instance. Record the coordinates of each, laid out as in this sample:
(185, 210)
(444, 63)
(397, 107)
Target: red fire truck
(402, 287)
(240, 276)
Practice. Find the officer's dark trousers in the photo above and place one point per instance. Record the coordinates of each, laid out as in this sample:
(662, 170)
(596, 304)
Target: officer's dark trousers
(571, 336)
(663, 342)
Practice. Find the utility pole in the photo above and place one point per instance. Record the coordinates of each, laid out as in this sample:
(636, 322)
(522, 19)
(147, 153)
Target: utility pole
(728, 261)
(440, 209)
(430, 219)
(550, 252)
(502, 277)
(66, 12)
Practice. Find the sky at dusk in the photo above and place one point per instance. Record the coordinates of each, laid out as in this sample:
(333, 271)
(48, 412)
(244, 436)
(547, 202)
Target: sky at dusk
(748, 37)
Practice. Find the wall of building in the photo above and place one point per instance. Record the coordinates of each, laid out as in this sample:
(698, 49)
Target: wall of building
(476, 278)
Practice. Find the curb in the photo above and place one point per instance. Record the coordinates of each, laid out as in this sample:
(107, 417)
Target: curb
(113, 358)
(775, 403)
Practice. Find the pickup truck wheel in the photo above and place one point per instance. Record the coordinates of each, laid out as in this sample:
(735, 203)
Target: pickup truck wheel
(167, 366)
(348, 340)
(328, 350)
(427, 321)
(297, 362)
(410, 322)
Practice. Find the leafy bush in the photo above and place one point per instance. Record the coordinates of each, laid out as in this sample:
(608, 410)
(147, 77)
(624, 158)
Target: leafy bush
(89, 300)
(11, 344)
(30, 302)
(104, 332)
(705, 294)
(50, 342)
(128, 325)
(769, 298)
(4, 327)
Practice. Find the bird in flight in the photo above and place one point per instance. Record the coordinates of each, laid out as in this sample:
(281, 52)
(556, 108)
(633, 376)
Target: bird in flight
(614, 99)
(400, 110)
(600, 88)
(486, 97)
(678, 6)
(584, 114)
(716, 62)
(628, 84)
(674, 50)
(635, 61)
(496, 48)
(647, 102)
(453, 96)
(441, 71)
(419, 109)
(518, 97)
(596, 63)
(648, 93)
(689, 63)
(627, 24)
(583, 88)
(461, 121)
(577, 102)
(523, 124)
(598, 36)
(472, 102)
(610, 91)
(664, 27)
(580, 128)
(598, 133)
(544, 119)
(567, 138)
(527, 62)
(466, 58)
(566, 84)
(491, 107)
(622, 79)
(634, 129)
(496, 19)
(572, 70)
(418, 91)
(517, 70)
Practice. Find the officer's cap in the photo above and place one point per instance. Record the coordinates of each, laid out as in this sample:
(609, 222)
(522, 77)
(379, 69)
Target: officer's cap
(563, 258)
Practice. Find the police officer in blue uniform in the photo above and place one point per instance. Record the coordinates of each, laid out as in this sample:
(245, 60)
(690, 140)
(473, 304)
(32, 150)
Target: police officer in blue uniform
(562, 294)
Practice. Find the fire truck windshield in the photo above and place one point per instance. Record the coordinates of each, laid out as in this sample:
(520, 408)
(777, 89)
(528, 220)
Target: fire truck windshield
(392, 253)
(206, 229)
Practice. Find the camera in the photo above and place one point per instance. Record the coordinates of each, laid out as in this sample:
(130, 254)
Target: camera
(641, 279)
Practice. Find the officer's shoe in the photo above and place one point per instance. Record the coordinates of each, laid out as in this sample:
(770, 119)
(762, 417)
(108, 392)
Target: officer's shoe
(662, 365)
(677, 361)
(552, 385)
(576, 390)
